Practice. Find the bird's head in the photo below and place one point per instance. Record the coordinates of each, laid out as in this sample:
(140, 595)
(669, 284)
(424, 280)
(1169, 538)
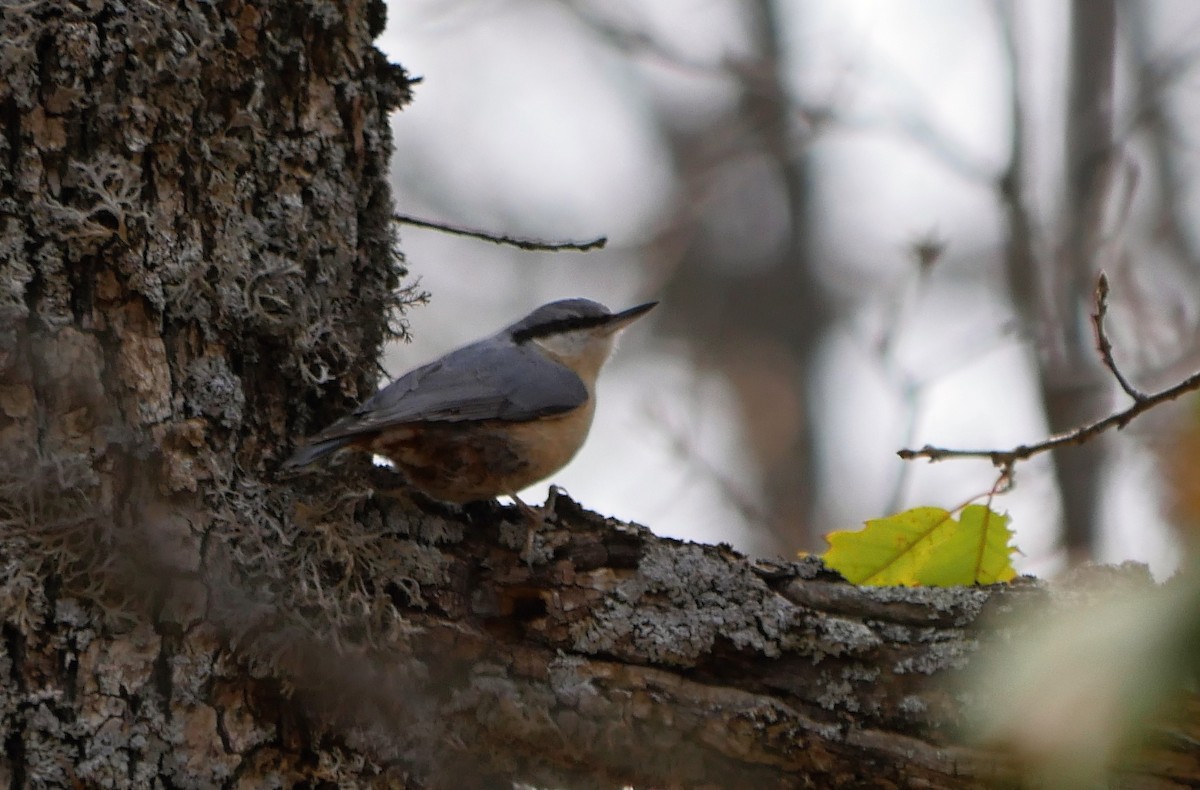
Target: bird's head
(579, 333)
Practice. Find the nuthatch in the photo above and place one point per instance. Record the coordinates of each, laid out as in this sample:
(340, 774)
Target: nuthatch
(493, 417)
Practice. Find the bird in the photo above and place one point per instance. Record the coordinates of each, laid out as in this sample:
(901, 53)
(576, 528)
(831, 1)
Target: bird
(493, 417)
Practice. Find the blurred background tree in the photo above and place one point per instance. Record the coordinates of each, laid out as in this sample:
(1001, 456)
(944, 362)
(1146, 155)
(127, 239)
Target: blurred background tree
(872, 224)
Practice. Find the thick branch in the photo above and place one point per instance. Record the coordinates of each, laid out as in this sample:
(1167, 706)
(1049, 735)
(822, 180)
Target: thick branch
(607, 657)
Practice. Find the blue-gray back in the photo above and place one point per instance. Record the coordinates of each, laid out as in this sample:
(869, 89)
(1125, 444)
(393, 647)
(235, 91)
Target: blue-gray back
(493, 379)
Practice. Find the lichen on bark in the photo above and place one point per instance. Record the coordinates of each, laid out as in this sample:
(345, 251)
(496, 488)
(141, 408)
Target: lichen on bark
(196, 259)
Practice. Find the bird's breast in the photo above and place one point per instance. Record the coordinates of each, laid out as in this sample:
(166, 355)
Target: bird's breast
(482, 459)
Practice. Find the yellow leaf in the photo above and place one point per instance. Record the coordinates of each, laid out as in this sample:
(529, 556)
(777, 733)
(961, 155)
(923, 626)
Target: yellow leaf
(889, 550)
(926, 546)
(975, 551)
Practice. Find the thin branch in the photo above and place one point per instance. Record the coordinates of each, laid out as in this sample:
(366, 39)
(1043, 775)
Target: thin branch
(496, 238)
(1104, 345)
(1007, 459)
(1023, 274)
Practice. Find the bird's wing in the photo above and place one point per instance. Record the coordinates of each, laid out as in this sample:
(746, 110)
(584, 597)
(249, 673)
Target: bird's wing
(489, 380)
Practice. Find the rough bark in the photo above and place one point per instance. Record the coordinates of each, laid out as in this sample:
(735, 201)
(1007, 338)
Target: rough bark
(195, 253)
(196, 266)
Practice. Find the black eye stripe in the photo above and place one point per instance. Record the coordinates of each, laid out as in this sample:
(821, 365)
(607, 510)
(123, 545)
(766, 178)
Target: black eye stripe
(560, 325)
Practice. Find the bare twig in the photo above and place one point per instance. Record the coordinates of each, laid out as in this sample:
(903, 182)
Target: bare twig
(496, 238)
(1005, 460)
(1104, 345)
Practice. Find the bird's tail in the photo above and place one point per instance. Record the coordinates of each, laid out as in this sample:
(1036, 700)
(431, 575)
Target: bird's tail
(306, 455)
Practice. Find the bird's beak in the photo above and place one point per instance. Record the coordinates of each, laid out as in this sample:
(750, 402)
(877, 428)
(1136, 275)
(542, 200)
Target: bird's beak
(626, 317)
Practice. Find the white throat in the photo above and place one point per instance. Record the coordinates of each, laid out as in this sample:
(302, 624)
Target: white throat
(582, 351)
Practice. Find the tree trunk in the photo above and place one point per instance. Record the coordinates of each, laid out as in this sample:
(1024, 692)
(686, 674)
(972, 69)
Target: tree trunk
(195, 257)
(1053, 297)
(761, 323)
(1073, 384)
(197, 267)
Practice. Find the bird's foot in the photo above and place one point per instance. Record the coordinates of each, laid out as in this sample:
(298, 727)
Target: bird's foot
(550, 506)
(535, 518)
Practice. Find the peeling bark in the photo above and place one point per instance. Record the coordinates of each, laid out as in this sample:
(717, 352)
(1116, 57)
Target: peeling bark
(196, 267)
